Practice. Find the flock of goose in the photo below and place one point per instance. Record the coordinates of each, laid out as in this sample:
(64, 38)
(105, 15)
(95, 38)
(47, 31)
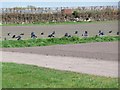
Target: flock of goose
(52, 35)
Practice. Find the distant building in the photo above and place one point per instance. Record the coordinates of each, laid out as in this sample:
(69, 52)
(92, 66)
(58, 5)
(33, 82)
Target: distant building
(67, 11)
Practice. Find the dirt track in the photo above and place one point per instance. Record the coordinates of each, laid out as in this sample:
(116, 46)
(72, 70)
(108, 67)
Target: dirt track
(103, 51)
(60, 30)
(80, 65)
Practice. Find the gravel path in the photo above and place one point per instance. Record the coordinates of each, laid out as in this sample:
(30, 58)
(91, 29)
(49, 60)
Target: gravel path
(80, 65)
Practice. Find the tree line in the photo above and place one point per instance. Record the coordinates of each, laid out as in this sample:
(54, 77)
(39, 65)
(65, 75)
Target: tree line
(17, 17)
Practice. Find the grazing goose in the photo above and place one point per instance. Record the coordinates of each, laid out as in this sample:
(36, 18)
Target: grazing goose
(100, 33)
(51, 35)
(8, 34)
(76, 32)
(42, 33)
(66, 35)
(85, 34)
(69, 36)
(110, 31)
(118, 33)
(53, 32)
(22, 34)
(14, 36)
(19, 37)
(33, 35)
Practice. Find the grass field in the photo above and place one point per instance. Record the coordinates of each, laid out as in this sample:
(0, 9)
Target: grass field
(55, 23)
(27, 76)
(55, 41)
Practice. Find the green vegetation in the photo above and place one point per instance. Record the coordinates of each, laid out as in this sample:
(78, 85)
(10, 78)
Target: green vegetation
(76, 14)
(54, 41)
(46, 23)
(0, 75)
(55, 23)
(27, 76)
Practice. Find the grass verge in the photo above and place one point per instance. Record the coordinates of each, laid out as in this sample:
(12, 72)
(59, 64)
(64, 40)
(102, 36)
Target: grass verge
(27, 76)
(55, 23)
(55, 41)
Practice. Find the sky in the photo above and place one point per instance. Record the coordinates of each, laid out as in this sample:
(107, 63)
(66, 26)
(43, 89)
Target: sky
(8, 4)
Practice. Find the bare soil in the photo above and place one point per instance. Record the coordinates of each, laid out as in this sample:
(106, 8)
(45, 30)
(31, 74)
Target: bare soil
(102, 51)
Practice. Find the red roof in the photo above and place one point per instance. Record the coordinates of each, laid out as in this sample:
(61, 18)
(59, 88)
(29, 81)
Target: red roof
(67, 11)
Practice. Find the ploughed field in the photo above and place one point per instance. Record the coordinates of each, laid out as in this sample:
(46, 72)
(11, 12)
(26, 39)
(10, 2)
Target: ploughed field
(60, 30)
(107, 51)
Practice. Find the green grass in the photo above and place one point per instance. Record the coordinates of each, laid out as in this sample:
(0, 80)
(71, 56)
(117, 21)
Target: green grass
(0, 75)
(57, 23)
(55, 41)
(27, 76)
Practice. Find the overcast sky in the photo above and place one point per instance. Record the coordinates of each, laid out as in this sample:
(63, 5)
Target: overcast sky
(56, 3)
